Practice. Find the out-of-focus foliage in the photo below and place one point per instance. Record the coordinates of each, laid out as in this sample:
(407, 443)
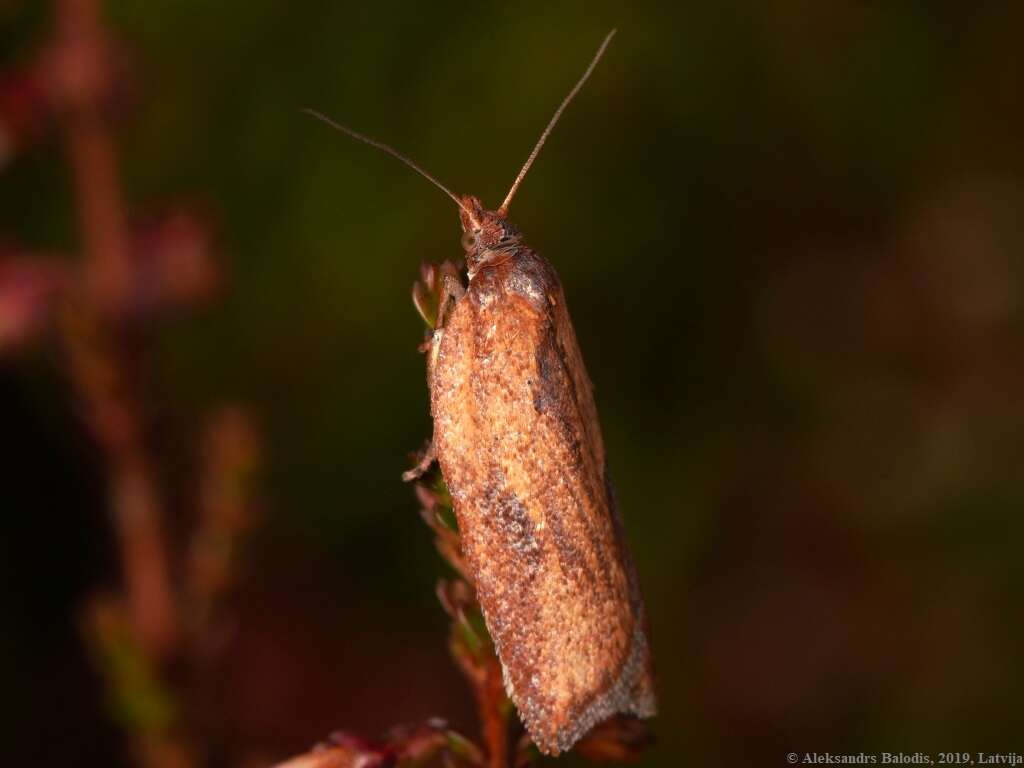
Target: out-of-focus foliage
(790, 235)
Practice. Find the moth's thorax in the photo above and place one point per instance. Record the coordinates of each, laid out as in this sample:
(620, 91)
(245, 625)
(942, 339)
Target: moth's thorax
(488, 237)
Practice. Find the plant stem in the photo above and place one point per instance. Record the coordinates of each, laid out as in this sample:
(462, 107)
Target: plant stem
(493, 720)
(101, 363)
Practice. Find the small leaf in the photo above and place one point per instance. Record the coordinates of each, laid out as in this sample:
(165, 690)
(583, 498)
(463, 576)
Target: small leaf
(444, 498)
(462, 747)
(174, 260)
(404, 746)
(29, 289)
(426, 295)
(137, 697)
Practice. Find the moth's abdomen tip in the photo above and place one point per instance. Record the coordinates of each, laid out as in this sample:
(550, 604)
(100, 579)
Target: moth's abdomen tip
(557, 728)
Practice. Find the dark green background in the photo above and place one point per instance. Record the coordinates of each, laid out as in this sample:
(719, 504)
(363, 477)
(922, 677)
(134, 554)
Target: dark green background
(790, 236)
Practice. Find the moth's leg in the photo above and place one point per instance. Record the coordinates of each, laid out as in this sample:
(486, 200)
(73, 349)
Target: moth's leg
(424, 464)
(451, 291)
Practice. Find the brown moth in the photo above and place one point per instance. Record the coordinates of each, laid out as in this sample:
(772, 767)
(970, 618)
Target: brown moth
(517, 437)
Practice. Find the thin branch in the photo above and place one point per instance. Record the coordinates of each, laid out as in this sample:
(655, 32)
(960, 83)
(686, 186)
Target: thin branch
(100, 363)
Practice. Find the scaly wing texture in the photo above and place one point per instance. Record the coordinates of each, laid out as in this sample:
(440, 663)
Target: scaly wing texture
(519, 443)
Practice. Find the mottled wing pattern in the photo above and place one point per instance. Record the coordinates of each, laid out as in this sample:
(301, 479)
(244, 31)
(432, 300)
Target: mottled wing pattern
(519, 443)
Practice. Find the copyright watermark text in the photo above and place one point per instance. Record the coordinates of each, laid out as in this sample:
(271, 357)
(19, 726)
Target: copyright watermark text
(906, 758)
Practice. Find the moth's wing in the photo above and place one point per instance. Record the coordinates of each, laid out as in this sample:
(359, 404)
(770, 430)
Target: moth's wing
(519, 444)
(634, 690)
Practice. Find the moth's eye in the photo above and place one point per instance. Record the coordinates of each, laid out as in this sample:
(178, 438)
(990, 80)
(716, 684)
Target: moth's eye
(468, 241)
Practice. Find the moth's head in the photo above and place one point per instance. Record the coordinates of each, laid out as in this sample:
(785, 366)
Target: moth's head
(487, 236)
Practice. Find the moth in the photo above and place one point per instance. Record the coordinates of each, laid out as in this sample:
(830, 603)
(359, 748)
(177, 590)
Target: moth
(517, 437)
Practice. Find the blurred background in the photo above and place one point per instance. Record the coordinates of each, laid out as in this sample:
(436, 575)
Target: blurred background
(790, 234)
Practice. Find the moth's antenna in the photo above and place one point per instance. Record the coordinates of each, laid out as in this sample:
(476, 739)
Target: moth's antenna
(558, 113)
(385, 148)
